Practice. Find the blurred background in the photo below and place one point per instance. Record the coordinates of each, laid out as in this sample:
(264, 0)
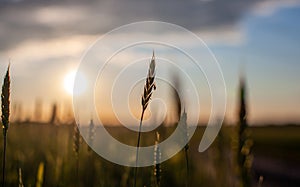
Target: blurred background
(255, 42)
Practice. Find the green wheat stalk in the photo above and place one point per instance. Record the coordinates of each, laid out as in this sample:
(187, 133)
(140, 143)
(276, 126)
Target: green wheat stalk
(5, 102)
(148, 90)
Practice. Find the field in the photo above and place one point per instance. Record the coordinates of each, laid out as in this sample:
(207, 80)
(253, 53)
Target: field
(276, 157)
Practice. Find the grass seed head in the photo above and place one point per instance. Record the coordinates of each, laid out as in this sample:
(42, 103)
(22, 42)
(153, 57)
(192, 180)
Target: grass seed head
(76, 140)
(150, 84)
(5, 101)
(157, 160)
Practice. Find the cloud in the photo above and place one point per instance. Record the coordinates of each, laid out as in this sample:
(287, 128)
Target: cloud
(30, 20)
(267, 8)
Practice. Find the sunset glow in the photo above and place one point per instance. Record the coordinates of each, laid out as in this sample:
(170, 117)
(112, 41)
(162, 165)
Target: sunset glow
(69, 83)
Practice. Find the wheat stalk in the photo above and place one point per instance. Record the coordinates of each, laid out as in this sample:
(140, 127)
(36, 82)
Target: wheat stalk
(40, 175)
(76, 140)
(91, 135)
(5, 102)
(183, 124)
(244, 142)
(20, 181)
(186, 147)
(76, 147)
(148, 90)
(157, 160)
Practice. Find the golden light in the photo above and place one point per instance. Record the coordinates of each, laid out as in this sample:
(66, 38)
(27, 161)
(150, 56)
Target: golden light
(69, 81)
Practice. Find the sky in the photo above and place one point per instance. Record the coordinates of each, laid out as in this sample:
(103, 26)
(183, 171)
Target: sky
(45, 41)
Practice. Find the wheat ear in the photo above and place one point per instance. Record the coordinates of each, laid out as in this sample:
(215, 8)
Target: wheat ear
(5, 116)
(148, 90)
(157, 160)
(244, 141)
(91, 135)
(76, 146)
(76, 140)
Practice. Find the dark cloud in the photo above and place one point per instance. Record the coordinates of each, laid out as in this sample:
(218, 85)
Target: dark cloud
(45, 19)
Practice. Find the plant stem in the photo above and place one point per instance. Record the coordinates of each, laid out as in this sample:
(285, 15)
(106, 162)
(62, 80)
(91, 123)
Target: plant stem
(4, 158)
(77, 170)
(187, 167)
(137, 147)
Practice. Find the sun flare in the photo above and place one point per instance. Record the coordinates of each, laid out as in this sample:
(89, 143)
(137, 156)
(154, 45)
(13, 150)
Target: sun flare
(69, 81)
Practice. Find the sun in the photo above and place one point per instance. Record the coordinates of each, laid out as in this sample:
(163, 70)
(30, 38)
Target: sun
(69, 83)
